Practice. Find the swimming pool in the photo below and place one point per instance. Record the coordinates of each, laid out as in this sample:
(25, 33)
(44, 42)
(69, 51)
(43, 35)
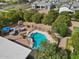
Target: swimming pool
(37, 39)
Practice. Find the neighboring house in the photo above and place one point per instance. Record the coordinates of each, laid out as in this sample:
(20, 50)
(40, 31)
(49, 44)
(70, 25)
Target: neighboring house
(12, 50)
(75, 6)
(2, 4)
(42, 5)
(54, 0)
(59, 1)
(63, 1)
(69, 7)
(47, 4)
(66, 5)
(77, 0)
(62, 9)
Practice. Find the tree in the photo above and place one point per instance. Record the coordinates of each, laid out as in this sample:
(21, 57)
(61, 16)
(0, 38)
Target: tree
(61, 24)
(12, 1)
(68, 17)
(63, 30)
(75, 44)
(64, 13)
(37, 18)
(22, 1)
(1, 21)
(28, 15)
(20, 13)
(2, 1)
(45, 53)
(50, 18)
(13, 15)
(50, 51)
(76, 15)
(4, 19)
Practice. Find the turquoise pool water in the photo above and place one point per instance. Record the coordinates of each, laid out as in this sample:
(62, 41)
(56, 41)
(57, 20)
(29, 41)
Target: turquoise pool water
(37, 38)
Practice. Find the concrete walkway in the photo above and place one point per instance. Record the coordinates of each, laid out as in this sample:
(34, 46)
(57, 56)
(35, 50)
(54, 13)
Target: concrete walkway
(63, 42)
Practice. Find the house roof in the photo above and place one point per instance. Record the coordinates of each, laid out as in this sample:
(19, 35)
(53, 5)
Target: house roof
(3, 3)
(66, 5)
(42, 3)
(11, 50)
(75, 4)
(58, 0)
(63, 0)
(62, 9)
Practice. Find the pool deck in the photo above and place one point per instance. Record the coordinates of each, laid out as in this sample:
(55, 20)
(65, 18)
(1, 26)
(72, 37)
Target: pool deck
(19, 39)
(74, 24)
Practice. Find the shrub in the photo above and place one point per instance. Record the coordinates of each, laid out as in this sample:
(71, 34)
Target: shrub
(50, 18)
(61, 24)
(37, 18)
(76, 15)
(75, 43)
(50, 52)
(28, 15)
